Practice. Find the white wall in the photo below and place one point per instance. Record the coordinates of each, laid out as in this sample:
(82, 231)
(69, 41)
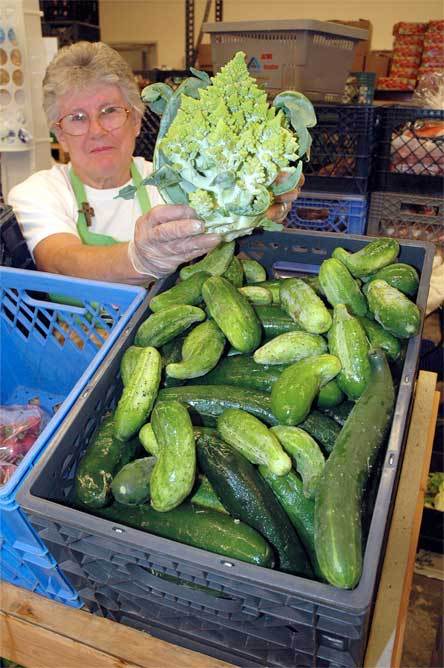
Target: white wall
(163, 21)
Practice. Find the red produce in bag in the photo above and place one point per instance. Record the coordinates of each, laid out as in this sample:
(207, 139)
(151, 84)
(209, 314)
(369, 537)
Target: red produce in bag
(20, 427)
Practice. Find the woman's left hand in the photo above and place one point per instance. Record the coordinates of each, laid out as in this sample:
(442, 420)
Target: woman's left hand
(282, 204)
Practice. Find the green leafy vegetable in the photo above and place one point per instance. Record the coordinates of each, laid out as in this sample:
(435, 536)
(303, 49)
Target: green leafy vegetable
(434, 497)
(221, 146)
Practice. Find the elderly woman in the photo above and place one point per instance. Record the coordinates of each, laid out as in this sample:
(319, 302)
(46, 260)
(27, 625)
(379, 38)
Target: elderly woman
(69, 215)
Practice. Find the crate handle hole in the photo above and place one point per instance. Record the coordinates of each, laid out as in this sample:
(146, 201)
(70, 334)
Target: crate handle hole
(227, 564)
(118, 530)
(414, 209)
(311, 213)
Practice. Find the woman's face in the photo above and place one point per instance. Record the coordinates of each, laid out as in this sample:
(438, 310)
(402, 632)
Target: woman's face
(100, 158)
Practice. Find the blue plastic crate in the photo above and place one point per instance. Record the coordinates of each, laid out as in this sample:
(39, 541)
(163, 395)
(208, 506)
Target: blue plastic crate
(49, 352)
(329, 212)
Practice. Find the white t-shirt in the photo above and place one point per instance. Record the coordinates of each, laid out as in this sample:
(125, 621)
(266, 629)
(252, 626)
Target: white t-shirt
(45, 204)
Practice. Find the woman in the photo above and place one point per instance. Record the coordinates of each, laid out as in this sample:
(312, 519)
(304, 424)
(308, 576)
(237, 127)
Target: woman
(69, 215)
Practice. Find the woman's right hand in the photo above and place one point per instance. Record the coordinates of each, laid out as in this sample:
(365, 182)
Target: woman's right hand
(167, 236)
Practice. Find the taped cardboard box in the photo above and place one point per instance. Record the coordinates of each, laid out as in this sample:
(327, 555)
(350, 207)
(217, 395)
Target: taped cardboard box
(362, 48)
(378, 62)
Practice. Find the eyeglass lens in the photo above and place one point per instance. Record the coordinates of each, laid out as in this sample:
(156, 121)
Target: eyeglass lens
(109, 118)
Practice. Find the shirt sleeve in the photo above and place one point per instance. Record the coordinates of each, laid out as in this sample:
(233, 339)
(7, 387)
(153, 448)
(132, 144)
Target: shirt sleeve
(44, 205)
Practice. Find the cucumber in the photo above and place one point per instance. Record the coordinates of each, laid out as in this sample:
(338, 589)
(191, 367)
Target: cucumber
(305, 453)
(129, 362)
(206, 497)
(257, 295)
(393, 310)
(339, 413)
(198, 527)
(338, 504)
(401, 276)
(148, 439)
(235, 273)
(340, 287)
(380, 338)
(275, 321)
(298, 385)
(324, 429)
(374, 256)
(210, 401)
(242, 371)
(104, 456)
(233, 313)
(165, 325)
(174, 473)
(201, 351)
(330, 395)
(185, 292)
(290, 347)
(253, 440)
(254, 272)
(274, 286)
(215, 262)
(247, 497)
(138, 396)
(304, 306)
(131, 485)
(348, 341)
(288, 490)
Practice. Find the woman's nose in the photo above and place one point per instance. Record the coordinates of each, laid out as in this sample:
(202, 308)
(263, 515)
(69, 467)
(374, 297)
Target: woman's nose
(94, 127)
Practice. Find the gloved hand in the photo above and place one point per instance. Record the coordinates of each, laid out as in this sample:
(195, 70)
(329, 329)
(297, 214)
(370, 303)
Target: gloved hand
(282, 204)
(166, 237)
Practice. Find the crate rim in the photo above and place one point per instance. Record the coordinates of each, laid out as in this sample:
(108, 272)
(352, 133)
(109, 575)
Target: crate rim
(286, 25)
(356, 600)
(44, 281)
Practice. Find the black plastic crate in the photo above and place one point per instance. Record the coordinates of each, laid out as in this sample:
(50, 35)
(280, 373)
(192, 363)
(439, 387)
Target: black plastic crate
(146, 141)
(71, 10)
(410, 153)
(407, 216)
(341, 154)
(13, 247)
(250, 615)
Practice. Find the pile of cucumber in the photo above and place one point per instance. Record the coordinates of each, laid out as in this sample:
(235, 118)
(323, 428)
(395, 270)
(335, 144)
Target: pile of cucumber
(253, 410)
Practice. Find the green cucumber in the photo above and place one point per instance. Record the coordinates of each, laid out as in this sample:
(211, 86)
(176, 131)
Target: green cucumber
(247, 497)
(242, 371)
(210, 401)
(131, 485)
(215, 262)
(233, 313)
(274, 286)
(324, 429)
(288, 490)
(401, 276)
(339, 413)
(275, 321)
(330, 395)
(254, 272)
(257, 295)
(104, 456)
(290, 347)
(174, 473)
(235, 273)
(201, 351)
(393, 310)
(148, 439)
(161, 327)
(348, 341)
(253, 440)
(206, 497)
(185, 292)
(139, 395)
(340, 287)
(380, 338)
(304, 306)
(198, 527)
(298, 385)
(374, 256)
(128, 363)
(305, 454)
(338, 504)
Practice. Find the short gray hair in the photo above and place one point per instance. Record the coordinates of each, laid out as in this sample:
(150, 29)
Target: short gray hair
(84, 64)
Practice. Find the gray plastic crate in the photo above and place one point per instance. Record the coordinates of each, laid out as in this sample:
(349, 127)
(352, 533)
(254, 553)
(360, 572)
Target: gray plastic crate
(290, 54)
(406, 216)
(251, 616)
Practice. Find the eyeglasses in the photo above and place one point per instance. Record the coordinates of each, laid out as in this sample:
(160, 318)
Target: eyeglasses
(109, 118)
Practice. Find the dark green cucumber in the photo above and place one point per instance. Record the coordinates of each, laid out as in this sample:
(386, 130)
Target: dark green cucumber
(288, 489)
(401, 276)
(339, 413)
(235, 273)
(210, 401)
(206, 497)
(215, 262)
(340, 287)
(104, 456)
(188, 292)
(165, 325)
(242, 371)
(131, 485)
(247, 497)
(338, 505)
(306, 454)
(324, 429)
(380, 338)
(198, 527)
(374, 256)
(393, 310)
(330, 395)
(275, 321)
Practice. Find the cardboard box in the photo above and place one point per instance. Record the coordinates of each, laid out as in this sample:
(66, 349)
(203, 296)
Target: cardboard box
(378, 62)
(362, 48)
(204, 61)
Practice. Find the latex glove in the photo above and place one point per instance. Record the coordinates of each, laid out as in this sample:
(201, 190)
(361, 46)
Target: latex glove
(282, 204)
(166, 237)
